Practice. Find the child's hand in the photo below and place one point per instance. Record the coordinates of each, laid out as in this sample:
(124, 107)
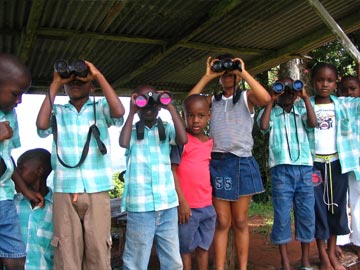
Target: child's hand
(242, 65)
(302, 94)
(93, 74)
(59, 81)
(34, 197)
(6, 131)
(133, 107)
(209, 71)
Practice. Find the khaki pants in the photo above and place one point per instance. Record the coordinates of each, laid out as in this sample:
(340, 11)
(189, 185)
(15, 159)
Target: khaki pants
(82, 236)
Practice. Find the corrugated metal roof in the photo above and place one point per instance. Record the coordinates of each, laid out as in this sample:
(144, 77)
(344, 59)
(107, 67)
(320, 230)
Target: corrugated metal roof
(163, 42)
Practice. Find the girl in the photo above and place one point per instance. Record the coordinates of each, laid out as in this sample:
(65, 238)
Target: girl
(235, 174)
(334, 148)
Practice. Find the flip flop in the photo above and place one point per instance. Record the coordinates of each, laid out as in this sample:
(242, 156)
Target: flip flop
(306, 268)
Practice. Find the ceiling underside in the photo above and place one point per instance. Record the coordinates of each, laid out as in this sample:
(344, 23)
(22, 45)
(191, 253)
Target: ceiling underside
(164, 43)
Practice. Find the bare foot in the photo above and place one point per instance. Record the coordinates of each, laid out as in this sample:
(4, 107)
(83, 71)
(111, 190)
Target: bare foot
(357, 251)
(335, 263)
(325, 266)
(339, 253)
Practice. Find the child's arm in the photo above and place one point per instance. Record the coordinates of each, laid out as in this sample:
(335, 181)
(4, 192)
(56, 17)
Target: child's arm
(21, 186)
(125, 134)
(311, 116)
(265, 117)
(6, 131)
(205, 79)
(257, 95)
(184, 211)
(116, 107)
(44, 115)
(181, 137)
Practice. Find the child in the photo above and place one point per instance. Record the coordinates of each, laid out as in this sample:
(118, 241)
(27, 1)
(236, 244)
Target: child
(196, 229)
(81, 217)
(36, 223)
(231, 127)
(350, 86)
(291, 163)
(15, 79)
(333, 148)
(149, 194)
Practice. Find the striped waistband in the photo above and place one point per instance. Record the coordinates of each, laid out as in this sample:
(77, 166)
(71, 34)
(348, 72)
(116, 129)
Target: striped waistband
(326, 158)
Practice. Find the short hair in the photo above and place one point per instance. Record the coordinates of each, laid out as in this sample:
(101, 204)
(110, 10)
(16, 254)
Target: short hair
(195, 98)
(320, 65)
(38, 155)
(11, 67)
(350, 77)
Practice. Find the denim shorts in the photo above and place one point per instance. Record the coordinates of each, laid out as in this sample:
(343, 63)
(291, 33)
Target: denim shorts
(11, 244)
(199, 231)
(145, 228)
(292, 187)
(331, 217)
(233, 176)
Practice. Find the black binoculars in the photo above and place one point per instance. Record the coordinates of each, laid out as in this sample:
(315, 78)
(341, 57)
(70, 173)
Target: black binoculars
(227, 64)
(279, 87)
(153, 98)
(78, 68)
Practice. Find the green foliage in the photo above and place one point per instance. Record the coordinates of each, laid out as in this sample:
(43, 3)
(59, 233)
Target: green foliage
(118, 180)
(334, 52)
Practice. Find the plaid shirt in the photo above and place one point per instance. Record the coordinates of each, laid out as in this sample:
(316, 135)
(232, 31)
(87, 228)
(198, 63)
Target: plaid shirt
(347, 112)
(37, 231)
(7, 187)
(149, 182)
(94, 175)
(288, 139)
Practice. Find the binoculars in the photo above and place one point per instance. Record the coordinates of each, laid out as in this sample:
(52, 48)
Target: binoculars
(279, 87)
(227, 64)
(77, 67)
(153, 98)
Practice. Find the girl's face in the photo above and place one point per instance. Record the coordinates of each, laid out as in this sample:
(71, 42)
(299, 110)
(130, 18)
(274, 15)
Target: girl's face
(197, 116)
(325, 82)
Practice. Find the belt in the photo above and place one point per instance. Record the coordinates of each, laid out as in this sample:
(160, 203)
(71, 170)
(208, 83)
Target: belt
(326, 158)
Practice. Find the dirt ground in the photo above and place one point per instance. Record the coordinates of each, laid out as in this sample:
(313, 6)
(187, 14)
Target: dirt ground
(262, 254)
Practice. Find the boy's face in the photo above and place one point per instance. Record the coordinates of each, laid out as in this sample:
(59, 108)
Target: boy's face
(77, 89)
(351, 87)
(197, 116)
(29, 172)
(11, 93)
(288, 97)
(150, 112)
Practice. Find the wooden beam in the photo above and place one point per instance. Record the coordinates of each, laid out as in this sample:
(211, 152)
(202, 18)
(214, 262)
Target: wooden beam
(29, 33)
(304, 45)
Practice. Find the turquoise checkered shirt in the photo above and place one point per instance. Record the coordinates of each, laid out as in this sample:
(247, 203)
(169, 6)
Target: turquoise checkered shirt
(283, 130)
(95, 174)
(37, 231)
(7, 187)
(149, 182)
(347, 113)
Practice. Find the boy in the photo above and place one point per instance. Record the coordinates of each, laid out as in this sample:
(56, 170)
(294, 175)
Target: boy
(36, 223)
(197, 215)
(291, 163)
(15, 79)
(81, 214)
(149, 194)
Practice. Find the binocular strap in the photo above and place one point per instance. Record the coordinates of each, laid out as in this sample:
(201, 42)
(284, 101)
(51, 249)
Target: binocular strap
(92, 130)
(140, 127)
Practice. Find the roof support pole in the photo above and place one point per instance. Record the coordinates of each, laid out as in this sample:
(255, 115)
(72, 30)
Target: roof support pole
(336, 29)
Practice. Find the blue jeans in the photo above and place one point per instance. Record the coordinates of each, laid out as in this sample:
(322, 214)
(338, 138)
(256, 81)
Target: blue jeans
(292, 187)
(145, 228)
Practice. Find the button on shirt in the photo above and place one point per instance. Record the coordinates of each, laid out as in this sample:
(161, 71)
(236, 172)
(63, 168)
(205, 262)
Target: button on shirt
(7, 187)
(37, 231)
(95, 174)
(149, 182)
